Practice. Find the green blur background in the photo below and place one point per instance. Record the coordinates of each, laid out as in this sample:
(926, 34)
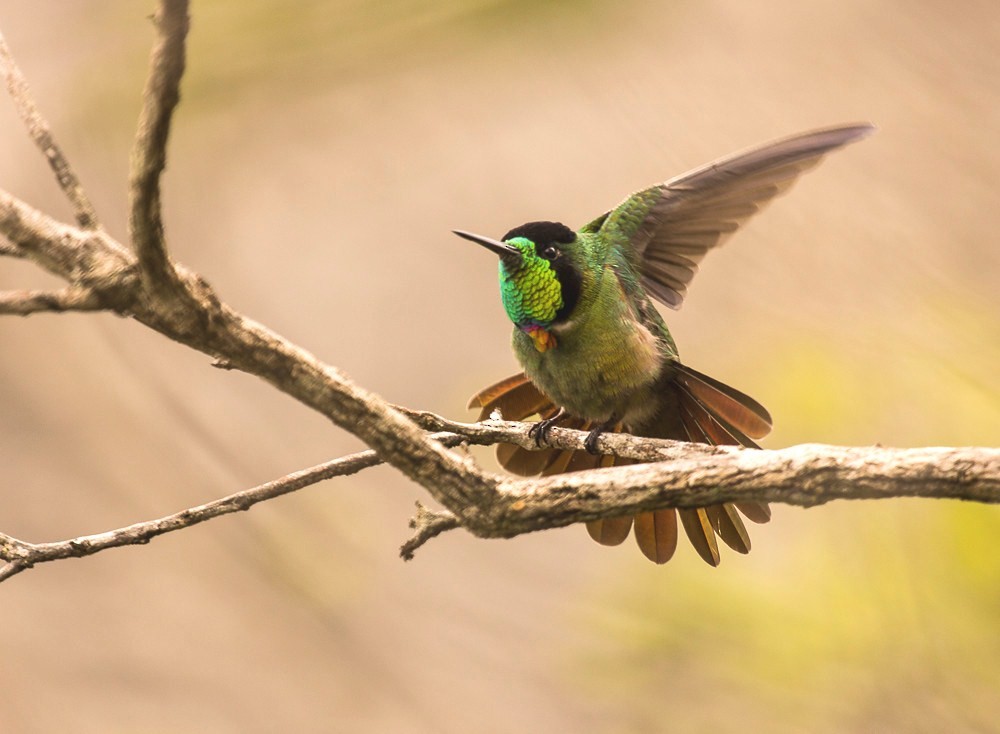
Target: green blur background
(320, 156)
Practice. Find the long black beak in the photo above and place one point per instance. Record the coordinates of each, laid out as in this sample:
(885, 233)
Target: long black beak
(509, 254)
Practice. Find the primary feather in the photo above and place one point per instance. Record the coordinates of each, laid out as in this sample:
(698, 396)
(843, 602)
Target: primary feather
(670, 227)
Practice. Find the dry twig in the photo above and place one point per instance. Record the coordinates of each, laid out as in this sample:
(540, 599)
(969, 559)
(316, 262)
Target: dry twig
(21, 555)
(24, 303)
(149, 152)
(38, 129)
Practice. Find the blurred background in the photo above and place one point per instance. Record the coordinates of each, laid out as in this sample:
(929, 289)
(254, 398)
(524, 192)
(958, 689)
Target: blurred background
(320, 156)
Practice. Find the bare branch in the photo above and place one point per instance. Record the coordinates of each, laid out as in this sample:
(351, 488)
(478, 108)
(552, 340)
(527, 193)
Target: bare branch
(149, 153)
(806, 475)
(518, 434)
(85, 258)
(21, 555)
(696, 475)
(28, 229)
(427, 524)
(40, 132)
(693, 475)
(24, 303)
(8, 250)
(13, 568)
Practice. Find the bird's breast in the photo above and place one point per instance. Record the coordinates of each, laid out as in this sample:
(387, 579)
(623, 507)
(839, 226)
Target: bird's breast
(597, 371)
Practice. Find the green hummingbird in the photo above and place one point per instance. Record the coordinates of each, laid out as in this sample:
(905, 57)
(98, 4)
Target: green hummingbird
(596, 353)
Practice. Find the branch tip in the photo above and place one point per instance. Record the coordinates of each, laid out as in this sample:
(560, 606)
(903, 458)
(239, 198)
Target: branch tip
(40, 132)
(428, 524)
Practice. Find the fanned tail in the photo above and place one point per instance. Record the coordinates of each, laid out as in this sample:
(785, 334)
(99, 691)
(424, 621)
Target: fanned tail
(717, 414)
(696, 408)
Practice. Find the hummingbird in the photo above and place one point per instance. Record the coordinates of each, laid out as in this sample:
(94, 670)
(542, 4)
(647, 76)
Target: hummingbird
(595, 352)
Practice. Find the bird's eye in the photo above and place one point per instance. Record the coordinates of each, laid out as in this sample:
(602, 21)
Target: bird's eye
(550, 253)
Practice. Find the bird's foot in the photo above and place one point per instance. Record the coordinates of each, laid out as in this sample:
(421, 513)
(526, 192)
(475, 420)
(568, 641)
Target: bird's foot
(590, 444)
(540, 431)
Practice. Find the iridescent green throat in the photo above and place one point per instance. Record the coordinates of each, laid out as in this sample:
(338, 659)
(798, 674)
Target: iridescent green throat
(531, 293)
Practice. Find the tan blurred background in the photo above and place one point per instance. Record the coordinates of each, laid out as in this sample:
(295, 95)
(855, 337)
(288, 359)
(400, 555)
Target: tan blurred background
(322, 153)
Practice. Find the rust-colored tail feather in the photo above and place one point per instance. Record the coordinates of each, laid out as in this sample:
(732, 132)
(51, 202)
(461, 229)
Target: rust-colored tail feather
(656, 534)
(701, 534)
(728, 405)
(727, 523)
(611, 530)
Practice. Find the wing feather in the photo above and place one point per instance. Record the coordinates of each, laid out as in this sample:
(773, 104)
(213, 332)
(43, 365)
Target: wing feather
(697, 211)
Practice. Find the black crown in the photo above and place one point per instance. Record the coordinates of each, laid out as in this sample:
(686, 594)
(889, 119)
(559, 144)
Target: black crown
(543, 233)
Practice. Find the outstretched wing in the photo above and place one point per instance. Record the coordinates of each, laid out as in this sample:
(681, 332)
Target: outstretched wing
(667, 229)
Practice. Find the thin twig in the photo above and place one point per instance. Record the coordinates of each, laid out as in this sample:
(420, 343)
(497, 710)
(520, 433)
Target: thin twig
(427, 524)
(149, 152)
(40, 132)
(12, 569)
(9, 250)
(20, 554)
(81, 257)
(24, 303)
(516, 433)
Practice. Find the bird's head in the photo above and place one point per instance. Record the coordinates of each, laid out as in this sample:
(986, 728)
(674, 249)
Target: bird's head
(539, 276)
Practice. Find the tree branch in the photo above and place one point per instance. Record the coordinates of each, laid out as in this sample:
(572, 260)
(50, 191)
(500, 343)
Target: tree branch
(805, 475)
(427, 524)
(40, 132)
(149, 152)
(87, 259)
(7, 250)
(24, 303)
(696, 475)
(491, 432)
(21, 555)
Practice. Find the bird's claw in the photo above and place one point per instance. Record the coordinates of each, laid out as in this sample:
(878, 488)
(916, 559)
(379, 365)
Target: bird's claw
(590, 444)
(540, 431)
